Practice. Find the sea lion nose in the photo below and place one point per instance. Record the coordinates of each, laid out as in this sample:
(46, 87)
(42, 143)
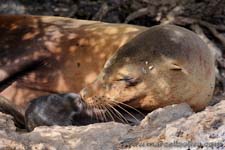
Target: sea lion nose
(84, 93)
(90, 90)
(74, 96)
(77, 100)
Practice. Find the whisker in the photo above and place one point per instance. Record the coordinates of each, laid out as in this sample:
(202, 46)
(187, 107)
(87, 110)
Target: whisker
(128, 113)
(93, 111)
(108, 112)
(129, 107)
(111, 111)
(117, 112)
(102, 114)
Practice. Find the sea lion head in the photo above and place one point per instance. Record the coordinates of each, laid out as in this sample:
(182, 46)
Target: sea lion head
(74, 100)
(61, 109)
(164, 65)
(53, 109)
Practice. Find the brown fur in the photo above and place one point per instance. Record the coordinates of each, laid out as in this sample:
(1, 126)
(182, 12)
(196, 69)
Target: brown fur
(10, 108)
(67, 53)
(164, 65)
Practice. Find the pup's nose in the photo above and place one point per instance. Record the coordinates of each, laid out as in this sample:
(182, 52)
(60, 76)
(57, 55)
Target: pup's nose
(74, 96)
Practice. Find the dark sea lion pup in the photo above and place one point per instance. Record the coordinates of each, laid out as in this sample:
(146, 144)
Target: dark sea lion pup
(63, 110)
(69, 109)
(54, 109)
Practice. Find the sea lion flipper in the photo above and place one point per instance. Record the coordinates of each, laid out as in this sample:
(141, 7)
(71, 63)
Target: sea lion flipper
(10, 73)
(9, 108)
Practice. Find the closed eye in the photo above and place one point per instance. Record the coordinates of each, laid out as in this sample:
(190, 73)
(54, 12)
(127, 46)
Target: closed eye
(130, 81)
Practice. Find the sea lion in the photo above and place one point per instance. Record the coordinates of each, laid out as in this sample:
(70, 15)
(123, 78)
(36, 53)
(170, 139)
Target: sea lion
(54, 109)
(63, 110)
(43, 55)
(164, 65)
(143, 79)
(69, 109)
(46, 54)
(8, 107)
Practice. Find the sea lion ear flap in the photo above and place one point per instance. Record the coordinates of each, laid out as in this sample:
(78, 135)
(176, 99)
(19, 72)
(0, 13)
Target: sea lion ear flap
(175, 67)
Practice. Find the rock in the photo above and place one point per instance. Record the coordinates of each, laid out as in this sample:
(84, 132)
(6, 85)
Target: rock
(7, 128)
(156, 121)
(6, 122)
(203, 130)
(97, 136)
(172, 124)
(162, 116)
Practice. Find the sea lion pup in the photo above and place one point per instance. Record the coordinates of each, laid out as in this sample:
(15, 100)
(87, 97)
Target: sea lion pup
(55, 54)
(55, 109)
(69, 109)
(164, 65)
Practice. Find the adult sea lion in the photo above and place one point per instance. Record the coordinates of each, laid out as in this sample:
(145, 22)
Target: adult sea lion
(46, 54)
(153, 70)
(164, 65)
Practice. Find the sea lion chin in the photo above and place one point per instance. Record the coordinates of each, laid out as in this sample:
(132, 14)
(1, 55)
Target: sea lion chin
(164, 65)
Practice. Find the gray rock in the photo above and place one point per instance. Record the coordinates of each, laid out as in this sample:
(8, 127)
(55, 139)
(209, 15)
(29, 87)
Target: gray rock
(170, 125)
(155, 122)
(203, 130)
(162, 116)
